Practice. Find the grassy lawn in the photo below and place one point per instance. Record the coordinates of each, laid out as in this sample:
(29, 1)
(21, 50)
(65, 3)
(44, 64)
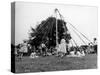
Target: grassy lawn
(52, 63)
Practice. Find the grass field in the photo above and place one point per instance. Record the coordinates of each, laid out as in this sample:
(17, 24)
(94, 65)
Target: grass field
(52, 63)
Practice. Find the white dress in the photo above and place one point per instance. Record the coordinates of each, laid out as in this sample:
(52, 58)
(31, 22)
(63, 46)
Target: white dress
(62, 46)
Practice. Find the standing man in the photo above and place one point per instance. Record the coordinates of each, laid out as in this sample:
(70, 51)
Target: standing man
(95, 45)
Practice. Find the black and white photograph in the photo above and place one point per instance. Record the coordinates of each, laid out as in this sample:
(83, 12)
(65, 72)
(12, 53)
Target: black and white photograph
(48, 37)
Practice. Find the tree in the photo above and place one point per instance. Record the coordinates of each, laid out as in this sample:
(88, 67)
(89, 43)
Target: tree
(46, 32)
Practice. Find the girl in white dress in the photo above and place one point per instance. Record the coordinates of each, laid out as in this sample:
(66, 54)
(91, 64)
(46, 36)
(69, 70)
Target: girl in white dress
(62, 46)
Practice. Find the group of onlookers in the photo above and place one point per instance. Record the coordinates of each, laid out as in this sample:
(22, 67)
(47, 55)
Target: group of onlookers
(61, 49)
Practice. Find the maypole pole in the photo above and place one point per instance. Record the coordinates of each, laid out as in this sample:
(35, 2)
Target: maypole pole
(56, 28)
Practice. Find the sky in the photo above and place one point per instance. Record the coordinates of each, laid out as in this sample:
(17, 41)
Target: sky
(28, 15)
